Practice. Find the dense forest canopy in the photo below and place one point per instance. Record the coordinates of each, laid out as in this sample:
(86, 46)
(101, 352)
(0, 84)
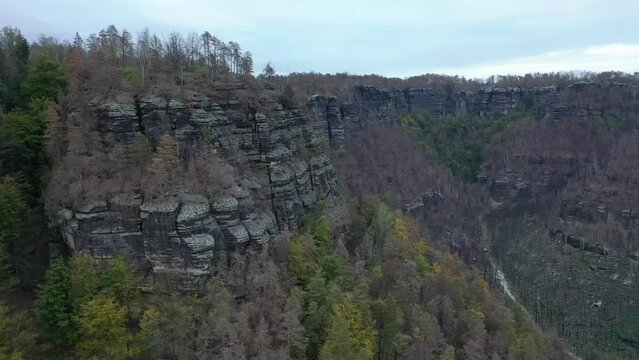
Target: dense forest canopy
(360, 279)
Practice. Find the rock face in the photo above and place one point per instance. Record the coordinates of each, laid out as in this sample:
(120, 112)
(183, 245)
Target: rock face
(375, 104)
(183, 233)
(554, 102)
(118, 116)
(180, 235)
(424, 99)
(332, 123)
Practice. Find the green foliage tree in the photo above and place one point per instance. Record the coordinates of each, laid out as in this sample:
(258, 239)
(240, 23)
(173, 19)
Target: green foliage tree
(14, 58)
(301, 258)
(22, 145)
(81, 301)
(85, 278)
(389, 318)
(13, 211)
(45, 80)
(56, 308)
(319, 227)
(319, 299)
(459, 143)
(120, 282)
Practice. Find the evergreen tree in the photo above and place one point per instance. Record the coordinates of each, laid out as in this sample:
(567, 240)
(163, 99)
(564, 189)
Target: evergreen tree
(22, 150)
(14, 58)
(247, 63)
(388, 317)
(268, 72)
(13, 211)
(78, 43)
(55, 308)
(45, 79)
(119, 281)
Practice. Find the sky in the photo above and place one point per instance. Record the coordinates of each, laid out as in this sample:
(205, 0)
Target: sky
(399, 38)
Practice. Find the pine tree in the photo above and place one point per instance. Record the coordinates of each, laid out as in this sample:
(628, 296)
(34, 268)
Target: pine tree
(14, 49)
(45, 80)
(268, 72)
(301, 258)
(55, 308)
(390, 322)
(13, 211)
(247, 64)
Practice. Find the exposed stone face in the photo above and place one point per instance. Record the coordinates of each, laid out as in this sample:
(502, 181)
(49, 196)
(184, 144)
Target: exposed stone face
(117, 115)
(184, 233)
(554, 102)
(181, 235)
(335, 123)
(318, 108)
(425, 99)
(199, 231)
(176, 234)
(323, 175)
(261, 227)
(376, 104)
(327, 120)
(498, 102)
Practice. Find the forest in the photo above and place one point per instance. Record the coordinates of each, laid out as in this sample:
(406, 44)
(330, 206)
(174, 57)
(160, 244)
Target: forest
(359, 279)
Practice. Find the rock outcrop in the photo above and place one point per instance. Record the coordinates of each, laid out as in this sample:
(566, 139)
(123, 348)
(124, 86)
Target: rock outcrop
(182, 233)
(179, 234)
(425, 99)
(583, 100)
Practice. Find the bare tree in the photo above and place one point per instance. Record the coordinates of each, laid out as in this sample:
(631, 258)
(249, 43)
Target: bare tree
(175, 53)
(143, 51)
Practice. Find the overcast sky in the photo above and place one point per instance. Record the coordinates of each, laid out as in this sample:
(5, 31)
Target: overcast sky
(389, 37)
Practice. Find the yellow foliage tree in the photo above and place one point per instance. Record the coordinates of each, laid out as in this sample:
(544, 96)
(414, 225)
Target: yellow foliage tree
(102, 322)
(348, 336)
(301, 258)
